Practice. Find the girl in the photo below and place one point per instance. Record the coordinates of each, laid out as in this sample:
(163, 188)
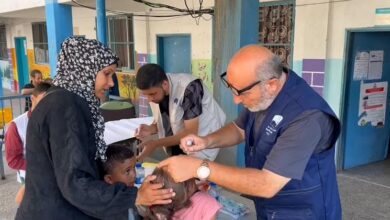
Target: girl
(188, 203)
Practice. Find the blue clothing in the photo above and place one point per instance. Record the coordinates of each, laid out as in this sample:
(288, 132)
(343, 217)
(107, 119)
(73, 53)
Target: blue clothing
(293, 149)
(315, 195)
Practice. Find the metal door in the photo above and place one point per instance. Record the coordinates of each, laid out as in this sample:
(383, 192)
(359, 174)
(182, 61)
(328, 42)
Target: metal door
(366, 109)
(174, 53)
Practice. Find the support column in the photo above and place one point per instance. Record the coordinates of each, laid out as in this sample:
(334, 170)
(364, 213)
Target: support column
(59, 27)
(236, 24)
(101, 25)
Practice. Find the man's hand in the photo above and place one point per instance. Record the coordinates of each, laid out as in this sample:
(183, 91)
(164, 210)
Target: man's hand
(144, 131)
(181, 168)
(192, 143)
(146, 148)
(153, 194)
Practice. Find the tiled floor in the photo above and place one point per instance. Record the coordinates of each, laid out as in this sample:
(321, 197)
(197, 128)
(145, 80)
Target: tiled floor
(365, 192)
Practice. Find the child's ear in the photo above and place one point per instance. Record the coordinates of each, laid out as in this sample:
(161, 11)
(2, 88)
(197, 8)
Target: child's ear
(108, 179)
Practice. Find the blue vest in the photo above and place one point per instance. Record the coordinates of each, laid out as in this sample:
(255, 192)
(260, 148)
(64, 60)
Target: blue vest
(316, 195)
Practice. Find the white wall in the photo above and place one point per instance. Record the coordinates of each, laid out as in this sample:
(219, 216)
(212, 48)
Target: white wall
(201, 40)
(20, 28)
(311, 24)
(147, 29)
(320, 31)
(84, 22)
(15, 5)
(201, 34)
(320, 28)
(351, 14)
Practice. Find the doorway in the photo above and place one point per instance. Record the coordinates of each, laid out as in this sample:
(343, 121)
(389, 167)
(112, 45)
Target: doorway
(174, 53)
(366, 105)
(21, 60)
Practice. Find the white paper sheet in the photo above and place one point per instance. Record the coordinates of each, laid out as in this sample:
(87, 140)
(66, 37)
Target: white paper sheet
(361, 65)
(123, 129)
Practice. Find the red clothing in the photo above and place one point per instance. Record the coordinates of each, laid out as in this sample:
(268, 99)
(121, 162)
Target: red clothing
(14, 148)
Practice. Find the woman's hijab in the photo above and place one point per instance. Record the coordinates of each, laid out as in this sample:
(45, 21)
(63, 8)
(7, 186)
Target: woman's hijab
(79, 61)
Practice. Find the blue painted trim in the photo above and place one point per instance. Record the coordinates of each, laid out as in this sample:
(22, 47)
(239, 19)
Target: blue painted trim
(249, 22)
(1, 89)
(21, 61)
(382, 11)
(59, 27)
(101, 21)
(249, 34)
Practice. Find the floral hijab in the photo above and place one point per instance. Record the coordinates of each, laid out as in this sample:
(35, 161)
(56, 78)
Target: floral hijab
(79, 61)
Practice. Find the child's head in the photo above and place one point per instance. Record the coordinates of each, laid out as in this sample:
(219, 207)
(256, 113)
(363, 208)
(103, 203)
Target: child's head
(120, 165)
(183, 190)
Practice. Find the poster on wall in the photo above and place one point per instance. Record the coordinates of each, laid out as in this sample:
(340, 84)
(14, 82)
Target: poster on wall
(360, 68)
(372, 104)
(375, 65)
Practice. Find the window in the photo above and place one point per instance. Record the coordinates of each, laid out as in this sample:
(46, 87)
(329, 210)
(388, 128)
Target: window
(41, 51)
(121, 41)
(277, 28)
(3, 43)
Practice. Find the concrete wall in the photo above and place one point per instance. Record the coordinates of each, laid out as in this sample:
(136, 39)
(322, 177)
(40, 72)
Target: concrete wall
(320, 29)
(84, 22)
(16, 5)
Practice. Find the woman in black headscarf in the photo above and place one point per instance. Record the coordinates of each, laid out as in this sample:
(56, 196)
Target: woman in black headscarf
(65, 142)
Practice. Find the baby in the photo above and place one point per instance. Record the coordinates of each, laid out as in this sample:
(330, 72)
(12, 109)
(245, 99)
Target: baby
(188, 203)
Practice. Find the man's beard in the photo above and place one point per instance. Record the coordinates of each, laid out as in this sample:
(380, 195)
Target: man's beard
(266, 100)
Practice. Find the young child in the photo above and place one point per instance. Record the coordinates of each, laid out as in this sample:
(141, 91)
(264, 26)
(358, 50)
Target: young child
(188, 203)
(120, 168)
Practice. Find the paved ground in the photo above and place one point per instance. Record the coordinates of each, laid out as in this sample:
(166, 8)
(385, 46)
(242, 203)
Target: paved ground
(365, 192)
(8, 189)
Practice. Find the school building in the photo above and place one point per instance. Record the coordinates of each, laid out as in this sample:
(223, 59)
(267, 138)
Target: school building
(340, 47)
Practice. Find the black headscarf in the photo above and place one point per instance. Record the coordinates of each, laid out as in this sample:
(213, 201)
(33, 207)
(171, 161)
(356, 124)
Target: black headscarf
(79, 61)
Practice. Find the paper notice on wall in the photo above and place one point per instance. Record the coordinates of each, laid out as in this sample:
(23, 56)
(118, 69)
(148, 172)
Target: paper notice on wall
(375, 66)
(372, 104)
(360, 69)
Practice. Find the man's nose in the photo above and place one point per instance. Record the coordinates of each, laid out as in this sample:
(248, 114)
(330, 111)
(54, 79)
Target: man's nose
(237, 99)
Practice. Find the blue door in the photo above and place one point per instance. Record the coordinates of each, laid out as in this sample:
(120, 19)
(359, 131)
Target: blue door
(21, 60)
(366, 117)
(174, 53)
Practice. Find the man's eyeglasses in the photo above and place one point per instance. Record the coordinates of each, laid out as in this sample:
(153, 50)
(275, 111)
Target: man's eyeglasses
(235, 91)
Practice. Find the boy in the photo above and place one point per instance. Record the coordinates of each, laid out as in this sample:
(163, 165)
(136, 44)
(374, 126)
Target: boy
(120, 168)
(15, 138)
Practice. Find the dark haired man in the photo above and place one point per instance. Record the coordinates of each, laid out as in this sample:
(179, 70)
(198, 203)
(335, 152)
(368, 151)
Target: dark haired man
(180, 105)
(36, 78)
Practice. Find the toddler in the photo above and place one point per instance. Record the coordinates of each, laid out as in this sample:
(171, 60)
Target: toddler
(120, 168)
(188, 203)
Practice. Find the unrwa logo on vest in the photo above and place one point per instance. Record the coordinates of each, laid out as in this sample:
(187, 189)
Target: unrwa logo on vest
(276, 120)
(271, 128)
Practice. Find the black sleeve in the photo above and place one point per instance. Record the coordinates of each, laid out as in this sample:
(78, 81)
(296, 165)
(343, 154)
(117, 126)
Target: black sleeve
(192, 101)
(75, 167)
(28, 86)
